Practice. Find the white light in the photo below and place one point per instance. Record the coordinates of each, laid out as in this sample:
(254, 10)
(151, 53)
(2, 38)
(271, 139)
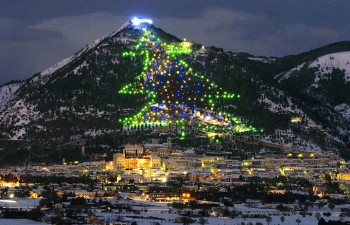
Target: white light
(137, 21)
(207, 117)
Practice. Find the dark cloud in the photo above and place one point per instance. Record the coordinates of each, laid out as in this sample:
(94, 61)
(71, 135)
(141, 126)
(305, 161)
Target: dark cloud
(25, 50)
(15, 31)
(240, 31)
(36, 34)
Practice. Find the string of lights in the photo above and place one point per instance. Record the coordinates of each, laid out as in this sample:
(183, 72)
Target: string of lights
(175, 93)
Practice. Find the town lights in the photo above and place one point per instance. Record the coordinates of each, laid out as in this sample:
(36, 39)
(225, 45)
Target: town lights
(186, 195)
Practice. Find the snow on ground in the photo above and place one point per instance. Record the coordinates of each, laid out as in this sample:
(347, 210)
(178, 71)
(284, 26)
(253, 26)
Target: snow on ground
(150, 211)
(7, 94)
(19, 134)
(326, 64)
(289, 220)
(76, 70)
(19, 203)
(168, 219)
(285, 75)
(126, 40)
(344, 110)
(288, 138)
(94, 133)
(277, 107)
(19, 114)
(18, 222)
(262, 59)
(22, 111)
(159, 212)
(44, 76)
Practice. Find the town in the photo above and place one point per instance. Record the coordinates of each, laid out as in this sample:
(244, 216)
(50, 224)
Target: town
(161, 183)
(244, 122)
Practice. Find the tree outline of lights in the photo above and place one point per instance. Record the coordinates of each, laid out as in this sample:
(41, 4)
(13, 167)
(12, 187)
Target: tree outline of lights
(175, 94)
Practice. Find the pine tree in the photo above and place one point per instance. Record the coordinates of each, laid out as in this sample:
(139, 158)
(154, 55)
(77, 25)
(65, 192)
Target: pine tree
(174, 93)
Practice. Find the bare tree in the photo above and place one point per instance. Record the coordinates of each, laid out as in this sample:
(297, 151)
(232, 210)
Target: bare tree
(202, 221)
(318, 216)
(282, 219)
(298, 221)
(268, 220)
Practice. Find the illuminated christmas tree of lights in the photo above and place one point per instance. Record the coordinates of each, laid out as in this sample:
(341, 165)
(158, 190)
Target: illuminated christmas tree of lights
(175, 93)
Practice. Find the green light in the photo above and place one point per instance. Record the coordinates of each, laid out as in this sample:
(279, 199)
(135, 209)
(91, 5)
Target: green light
(210, 92)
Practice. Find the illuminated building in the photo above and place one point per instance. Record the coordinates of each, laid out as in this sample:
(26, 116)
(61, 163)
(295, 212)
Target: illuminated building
(180, 162)
(208, 160)
(296, 120)
(131, 151)
(343, 176)
(134, 157)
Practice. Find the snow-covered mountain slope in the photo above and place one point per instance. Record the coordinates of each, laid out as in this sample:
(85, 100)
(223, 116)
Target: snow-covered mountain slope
(344, 110)
(277, 101)
(78, 97)
(327, 63)
(321, 87)
(323, 66)
(81, 89)
(286, 75)
(262, 59)
(44, 76)
(7, 94)
(18, 112)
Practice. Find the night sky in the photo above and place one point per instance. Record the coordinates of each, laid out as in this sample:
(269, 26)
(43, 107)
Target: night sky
(35, 34)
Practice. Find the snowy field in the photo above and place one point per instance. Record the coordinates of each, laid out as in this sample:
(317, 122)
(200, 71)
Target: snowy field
(153, 212)
(289, 220)
(19, 203)
(18, 222)
(161, 211)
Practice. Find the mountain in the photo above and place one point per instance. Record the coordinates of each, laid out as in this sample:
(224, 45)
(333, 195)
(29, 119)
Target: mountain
(321, 85)
(7, 93)
(299, 101)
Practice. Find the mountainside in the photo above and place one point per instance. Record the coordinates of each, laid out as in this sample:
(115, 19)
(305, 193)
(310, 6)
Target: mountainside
(299, 101)
(322, 87)
(7, 93)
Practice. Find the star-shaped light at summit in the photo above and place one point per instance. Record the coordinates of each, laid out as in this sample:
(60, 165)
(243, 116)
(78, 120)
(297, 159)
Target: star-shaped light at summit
(175, 93)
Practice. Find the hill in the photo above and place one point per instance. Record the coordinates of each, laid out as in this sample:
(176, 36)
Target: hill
(298, 101)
